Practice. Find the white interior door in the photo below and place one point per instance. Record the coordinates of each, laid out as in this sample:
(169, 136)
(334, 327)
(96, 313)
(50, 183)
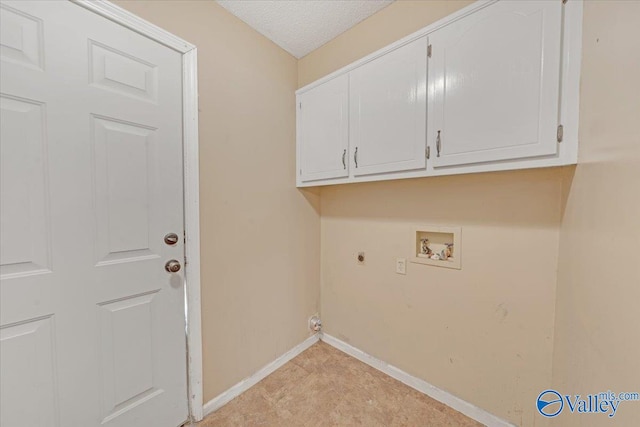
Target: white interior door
(494, 84)
(92, 327)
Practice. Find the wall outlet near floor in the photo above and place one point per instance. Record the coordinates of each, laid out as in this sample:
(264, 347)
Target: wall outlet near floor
(401, 265)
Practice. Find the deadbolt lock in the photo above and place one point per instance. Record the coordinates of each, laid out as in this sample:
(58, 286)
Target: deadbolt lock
(171, 239)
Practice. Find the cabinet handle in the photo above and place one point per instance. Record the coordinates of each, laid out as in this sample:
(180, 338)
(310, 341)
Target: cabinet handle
(355, 157)
(344, 154)
(438, 143)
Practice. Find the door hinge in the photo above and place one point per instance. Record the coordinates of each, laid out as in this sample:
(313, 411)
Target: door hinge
(429, 51)
(560, 133)
(427, 152)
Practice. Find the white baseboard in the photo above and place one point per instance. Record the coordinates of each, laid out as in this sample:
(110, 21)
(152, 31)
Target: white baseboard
(225, 397)
(422, 386)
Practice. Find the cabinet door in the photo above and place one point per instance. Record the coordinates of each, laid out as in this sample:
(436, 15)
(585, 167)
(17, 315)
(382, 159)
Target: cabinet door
(323, 131)
(388, 111)
(494, 80)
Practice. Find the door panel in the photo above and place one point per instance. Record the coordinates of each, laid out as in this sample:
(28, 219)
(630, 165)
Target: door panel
(93, 161)
(323, 131)
(21, 36)
(494, 97)
(124, 155)
(388, 111)
(127, 353)
(25, 227)
(122, 73)
(28, 369)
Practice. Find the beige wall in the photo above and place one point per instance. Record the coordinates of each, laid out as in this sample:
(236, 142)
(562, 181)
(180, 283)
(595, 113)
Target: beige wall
(390, 24)
(597, 340)
(260, 235)
(484, 333)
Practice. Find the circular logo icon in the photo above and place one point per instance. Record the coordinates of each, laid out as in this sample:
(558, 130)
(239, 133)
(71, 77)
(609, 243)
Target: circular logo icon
(550, 403)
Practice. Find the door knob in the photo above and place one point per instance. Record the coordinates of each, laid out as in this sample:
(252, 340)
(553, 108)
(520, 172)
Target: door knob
(172, 266)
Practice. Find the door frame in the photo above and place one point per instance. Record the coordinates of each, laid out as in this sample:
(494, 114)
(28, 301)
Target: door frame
(191, 184)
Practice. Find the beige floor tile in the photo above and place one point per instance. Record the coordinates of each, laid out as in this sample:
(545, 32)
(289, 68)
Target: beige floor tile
(326, 387)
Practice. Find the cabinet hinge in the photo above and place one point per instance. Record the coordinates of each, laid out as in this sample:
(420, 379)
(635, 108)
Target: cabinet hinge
(429, 51)
(300, 171)
(427, 152)
(560, 133)
(300, 105)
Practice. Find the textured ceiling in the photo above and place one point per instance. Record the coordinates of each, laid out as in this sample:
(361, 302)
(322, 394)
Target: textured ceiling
(301, 26)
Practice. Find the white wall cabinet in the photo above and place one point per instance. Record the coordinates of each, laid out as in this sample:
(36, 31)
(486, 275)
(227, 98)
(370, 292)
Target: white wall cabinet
(323, 131)
(494, 84)
(388, 111)
(491, 87)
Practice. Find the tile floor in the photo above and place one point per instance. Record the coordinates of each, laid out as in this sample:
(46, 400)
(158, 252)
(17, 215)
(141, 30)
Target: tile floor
(326, 387)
